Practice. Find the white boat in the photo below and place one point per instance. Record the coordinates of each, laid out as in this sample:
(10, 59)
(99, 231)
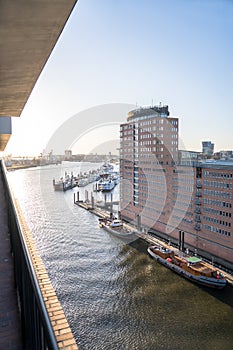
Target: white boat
(92, 178)
(116, 223)
(107, 167)
(106, 185)
(115, 178)
(117, 228)
(190, 267)
(83, 182)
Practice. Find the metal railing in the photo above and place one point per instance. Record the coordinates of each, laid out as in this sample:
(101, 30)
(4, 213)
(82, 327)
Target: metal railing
(37, 330)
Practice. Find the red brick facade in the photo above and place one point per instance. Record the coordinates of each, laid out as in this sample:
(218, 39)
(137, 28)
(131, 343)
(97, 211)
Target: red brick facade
(167, 197)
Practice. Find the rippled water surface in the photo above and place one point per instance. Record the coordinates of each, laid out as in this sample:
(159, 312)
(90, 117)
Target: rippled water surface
(114, 295)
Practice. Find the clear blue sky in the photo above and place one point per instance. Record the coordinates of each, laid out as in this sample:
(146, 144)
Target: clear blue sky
(178, 52)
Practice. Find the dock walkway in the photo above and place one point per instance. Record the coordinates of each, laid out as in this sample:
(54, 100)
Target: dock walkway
(10, 324)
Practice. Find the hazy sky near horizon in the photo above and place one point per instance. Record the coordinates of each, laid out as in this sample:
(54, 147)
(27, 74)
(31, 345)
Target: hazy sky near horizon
(178, 52)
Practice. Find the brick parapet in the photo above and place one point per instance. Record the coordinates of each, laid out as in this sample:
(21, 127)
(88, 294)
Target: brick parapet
(61, 328)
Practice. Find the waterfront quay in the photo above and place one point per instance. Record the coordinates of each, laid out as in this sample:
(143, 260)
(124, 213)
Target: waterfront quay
(31, 314)
(150, 239)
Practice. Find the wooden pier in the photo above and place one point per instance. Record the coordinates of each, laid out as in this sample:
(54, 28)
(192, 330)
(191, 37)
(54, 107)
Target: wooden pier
(100, 209)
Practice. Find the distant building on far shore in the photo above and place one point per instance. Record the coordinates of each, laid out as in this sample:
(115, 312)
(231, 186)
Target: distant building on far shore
(226, 155)
(68, 154)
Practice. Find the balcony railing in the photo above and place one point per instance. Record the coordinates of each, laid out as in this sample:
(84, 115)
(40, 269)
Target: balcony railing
(36, 326)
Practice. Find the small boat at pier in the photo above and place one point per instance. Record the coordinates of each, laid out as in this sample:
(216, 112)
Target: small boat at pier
(117, 228)
(83, 182)
(106, 185)
(190, 267)
(65, 184)
(108, 178)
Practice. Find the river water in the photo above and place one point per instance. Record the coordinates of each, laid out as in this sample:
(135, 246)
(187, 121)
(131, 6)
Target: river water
(114, 295)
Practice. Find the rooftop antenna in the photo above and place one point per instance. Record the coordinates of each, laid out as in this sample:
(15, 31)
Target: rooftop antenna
(152, 102)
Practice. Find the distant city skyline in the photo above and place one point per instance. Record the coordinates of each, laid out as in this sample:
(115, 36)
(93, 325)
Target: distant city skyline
(172, 51)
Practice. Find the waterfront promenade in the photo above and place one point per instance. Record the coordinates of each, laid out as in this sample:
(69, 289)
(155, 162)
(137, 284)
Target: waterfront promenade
(10, 325)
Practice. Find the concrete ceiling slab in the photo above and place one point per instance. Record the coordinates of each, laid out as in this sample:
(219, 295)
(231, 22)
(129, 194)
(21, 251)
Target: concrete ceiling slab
(29, 30)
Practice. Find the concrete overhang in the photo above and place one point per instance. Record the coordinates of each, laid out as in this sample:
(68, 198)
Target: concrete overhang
(29, 30)
(5, 131)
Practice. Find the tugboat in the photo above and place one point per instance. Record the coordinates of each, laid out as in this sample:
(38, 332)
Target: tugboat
(190, 267)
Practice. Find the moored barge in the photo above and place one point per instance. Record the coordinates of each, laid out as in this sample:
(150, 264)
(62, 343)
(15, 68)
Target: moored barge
(190, 267)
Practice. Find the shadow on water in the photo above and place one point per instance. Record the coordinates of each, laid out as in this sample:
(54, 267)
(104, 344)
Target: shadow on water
(225, 295)
(140, 245)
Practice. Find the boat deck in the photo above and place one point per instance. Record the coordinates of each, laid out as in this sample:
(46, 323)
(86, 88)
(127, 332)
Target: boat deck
(10, 324)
